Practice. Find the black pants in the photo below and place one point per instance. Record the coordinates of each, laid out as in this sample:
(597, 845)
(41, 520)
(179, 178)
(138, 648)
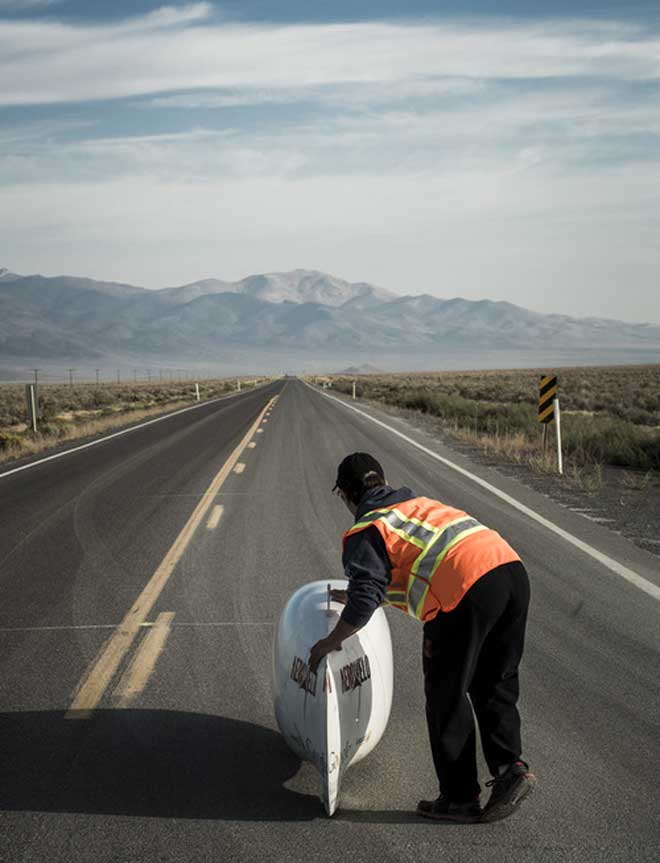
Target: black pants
(471, 659)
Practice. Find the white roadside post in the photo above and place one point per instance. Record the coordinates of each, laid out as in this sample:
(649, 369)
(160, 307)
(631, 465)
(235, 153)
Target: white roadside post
(560, 463)
(353, 390)
(197, 391)
(238, 386)
(30, 392)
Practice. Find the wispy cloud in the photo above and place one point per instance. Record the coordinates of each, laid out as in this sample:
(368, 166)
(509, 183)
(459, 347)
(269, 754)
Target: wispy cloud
(338, 95)
(26, 5)
(501, 158)
(179, 49)
(569, 128)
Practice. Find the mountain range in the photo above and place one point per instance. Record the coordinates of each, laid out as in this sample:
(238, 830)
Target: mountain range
(303, 317)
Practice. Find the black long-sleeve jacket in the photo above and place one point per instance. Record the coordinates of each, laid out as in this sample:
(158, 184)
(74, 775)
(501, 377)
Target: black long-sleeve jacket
(366, 563)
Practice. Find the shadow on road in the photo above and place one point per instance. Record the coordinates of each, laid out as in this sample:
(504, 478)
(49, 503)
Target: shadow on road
(149, 763)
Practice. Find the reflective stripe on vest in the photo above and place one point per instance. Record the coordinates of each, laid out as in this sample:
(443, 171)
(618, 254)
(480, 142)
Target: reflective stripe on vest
(397, 598)
(427, 563)
(411, 529)
(434, 544)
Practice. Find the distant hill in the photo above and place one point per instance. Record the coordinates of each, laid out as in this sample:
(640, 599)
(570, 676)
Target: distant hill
(364, 369)
(303, 315)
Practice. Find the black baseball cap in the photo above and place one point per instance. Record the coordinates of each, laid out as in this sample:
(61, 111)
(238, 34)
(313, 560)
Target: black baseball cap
(353, 470)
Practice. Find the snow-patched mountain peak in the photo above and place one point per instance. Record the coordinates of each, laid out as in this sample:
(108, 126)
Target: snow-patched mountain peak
(296, 286)
(309, 286)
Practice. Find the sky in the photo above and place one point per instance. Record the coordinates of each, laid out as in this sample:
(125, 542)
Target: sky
(503, 150)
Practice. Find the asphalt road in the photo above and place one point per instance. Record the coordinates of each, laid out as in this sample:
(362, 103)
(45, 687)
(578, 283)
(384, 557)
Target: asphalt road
(193, 768)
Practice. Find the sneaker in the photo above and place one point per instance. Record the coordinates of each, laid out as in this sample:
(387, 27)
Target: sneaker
(509, 790)
(443, 809)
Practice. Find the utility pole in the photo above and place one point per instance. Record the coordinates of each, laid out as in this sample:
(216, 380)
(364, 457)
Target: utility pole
(71, 371)
(97, 376)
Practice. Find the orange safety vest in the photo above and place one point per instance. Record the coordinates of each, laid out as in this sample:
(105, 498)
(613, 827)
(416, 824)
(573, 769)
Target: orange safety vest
(437, 553)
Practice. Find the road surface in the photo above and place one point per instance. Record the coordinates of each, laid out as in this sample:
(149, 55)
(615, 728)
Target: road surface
(140, 580)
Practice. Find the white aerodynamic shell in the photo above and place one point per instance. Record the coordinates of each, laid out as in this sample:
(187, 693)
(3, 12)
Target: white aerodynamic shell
(335, 717)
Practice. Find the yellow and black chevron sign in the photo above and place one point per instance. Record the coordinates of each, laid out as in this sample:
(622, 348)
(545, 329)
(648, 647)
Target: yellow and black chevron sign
(547, 392)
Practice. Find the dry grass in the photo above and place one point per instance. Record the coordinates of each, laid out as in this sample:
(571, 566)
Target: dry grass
(17, 446)
(610, 415)
(588, 477)
(60, 399)
(636, 480)
(515, 448)
(626, 392)
(68, 414)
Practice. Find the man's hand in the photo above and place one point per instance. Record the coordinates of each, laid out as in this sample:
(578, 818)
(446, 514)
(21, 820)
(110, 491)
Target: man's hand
(321, 649)
(340, 633)
(339, 595)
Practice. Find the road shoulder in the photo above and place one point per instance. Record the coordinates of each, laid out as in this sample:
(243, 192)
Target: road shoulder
(605, 540)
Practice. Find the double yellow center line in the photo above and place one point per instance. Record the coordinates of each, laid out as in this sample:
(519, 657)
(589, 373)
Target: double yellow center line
(98, 677)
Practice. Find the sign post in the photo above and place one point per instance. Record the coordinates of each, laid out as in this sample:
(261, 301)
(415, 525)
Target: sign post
(353, 390)
(549, 412)
(560, 463)
(197, 391)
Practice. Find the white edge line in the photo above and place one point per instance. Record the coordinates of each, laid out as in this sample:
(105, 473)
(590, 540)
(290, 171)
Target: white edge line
(613, 565)
(125, 431)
